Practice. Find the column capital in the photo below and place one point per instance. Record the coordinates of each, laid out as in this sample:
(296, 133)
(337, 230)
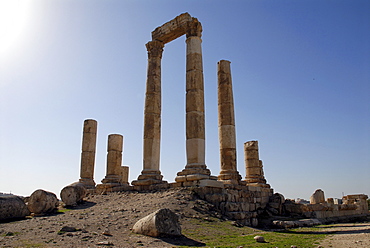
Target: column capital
(194, 28)
(154, 48)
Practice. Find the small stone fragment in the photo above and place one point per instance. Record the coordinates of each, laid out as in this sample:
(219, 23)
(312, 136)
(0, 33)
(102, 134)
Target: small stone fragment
(107, 243)
(259, 239)
(68, 229)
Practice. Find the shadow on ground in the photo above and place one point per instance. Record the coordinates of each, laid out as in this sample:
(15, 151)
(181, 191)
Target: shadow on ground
(182, 240)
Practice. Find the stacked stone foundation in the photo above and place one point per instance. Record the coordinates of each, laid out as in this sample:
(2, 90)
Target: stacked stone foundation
(241, 203)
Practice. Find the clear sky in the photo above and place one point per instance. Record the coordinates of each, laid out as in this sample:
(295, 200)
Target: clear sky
(300, 70)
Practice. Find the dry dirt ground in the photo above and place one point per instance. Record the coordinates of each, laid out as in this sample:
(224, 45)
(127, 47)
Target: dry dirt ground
(348, 235)
(106, 220)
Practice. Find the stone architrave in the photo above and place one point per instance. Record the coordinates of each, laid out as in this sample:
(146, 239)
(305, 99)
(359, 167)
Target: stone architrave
(114, 159)
(253, 165)
(195, 168)
(152, 118)
(226, 125)
(88, 153)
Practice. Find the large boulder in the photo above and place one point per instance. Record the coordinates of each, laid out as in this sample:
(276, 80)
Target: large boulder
(162, 222)
(11, 207)
(42, 201)
(73, 194)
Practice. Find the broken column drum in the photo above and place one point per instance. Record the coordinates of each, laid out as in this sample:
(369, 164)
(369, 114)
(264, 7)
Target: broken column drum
(226, 125)
(114, 159)
(88, 153)
(253, 165)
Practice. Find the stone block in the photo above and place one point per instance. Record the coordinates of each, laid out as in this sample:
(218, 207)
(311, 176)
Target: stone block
(210, 183)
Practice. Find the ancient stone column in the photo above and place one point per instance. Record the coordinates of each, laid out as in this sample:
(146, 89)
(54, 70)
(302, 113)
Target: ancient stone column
(114, 159)
(88, 154)
(152, 117)
(195, 121)
(124, 174)
(226, 125)
(253, 165)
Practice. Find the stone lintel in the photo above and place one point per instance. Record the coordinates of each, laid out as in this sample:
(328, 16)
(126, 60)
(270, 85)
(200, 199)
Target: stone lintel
(173, 29)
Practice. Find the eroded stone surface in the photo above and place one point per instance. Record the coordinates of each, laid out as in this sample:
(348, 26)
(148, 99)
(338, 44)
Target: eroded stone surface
(160, 223)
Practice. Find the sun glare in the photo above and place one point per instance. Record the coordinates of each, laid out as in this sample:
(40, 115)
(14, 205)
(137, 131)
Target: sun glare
(13, 15)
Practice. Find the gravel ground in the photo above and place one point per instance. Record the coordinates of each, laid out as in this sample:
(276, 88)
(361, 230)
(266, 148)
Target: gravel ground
(348, 235)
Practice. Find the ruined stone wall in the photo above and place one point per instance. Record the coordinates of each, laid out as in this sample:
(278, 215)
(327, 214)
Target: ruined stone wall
(354, 206)
(240, 203)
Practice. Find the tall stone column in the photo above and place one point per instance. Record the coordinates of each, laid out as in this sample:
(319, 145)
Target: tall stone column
(88, 153)
(226, 125)
(152, 117)
(196, 168)
(114, 159)
(253, 165)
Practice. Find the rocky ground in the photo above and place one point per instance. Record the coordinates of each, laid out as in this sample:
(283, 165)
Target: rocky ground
(106, 220)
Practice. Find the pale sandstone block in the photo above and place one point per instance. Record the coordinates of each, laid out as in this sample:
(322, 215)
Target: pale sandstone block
(195, 151)
(152, 153)
(193, 45)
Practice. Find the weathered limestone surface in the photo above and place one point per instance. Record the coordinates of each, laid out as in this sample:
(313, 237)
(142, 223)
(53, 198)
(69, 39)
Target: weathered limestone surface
(317, 197)
(195, 168)
(11, 207)
(88, 153)
(173, 29)
(124, 172)
(152, 118)
(42, 201)
(237, 202)
(253, 165)
(226, 125)
(114, 159)
(73, 194)
(161, 222)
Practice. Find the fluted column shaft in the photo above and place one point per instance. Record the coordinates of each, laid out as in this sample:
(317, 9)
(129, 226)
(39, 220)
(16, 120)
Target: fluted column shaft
(226, 124)
(88, 153)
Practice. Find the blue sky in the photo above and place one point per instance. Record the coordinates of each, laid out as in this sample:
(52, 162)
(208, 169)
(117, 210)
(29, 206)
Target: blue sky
(300, 73)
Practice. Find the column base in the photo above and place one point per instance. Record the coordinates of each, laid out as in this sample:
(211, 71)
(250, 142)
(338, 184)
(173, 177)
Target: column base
(230, 177)
(88, 183)
(149, 177)
(262, 185)
(111, 187)
(111, 179)
(194, 172)
(256, 180)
